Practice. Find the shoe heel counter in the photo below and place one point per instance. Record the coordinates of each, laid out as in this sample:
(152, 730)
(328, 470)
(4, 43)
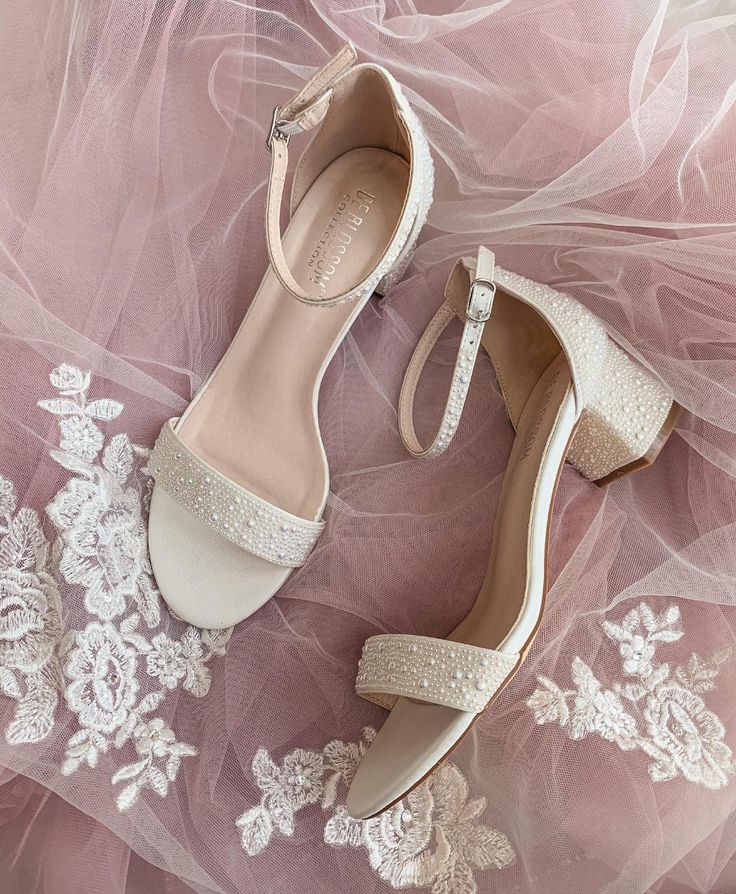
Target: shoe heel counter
(625, 423)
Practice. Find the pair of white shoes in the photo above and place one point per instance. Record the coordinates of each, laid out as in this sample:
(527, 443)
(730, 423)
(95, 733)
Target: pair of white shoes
(241, 479)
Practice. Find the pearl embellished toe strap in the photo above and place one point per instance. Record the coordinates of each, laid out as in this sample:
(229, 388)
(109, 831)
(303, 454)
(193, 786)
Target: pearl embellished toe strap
(234, 513)
(476, 278)
(438, 671)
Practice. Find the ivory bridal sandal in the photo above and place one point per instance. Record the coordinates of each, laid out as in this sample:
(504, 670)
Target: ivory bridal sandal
(241, 479)
(571, 393)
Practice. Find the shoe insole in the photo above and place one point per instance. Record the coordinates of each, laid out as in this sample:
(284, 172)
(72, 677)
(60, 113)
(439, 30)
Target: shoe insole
(417, 735)
(255, 419)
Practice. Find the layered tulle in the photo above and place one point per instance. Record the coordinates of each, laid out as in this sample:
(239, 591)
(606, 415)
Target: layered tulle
(591, 147)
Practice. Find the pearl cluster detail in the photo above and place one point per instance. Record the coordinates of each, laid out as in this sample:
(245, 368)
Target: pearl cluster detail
(236, 514)
(433, 670)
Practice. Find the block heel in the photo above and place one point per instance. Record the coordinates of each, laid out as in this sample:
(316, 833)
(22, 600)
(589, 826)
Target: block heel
(625, 423)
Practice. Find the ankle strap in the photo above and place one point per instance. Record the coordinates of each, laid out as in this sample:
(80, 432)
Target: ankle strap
(474, 277)
(304, 111)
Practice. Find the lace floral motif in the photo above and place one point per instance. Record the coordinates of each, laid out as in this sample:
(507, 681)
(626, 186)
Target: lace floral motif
(101, 547)
(30, 621)
(432, 838)
(670, 721)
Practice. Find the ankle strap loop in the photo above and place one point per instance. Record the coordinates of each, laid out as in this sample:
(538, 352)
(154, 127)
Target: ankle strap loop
(476, 277)
(303, 112)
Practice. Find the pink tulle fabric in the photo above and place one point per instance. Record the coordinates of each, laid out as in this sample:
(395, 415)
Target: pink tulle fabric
(591, 146)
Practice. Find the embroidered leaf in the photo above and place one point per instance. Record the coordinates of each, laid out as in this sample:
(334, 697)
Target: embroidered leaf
(104, 409)
(9, 683)
(647, 617)
(217, 640)
(34, 716)
(583, 676)
(118, 457)
(72, 462)
(126, 730)
(191, 644)
(129, 771)
(147, 600)
(70, 765)
(549, 703)
(197, 679)
(20, 545)
(668, 617)
(700, 673)
(265, 771)
(60, 406)
(69, 378)
(138, 641)
(666, 636)
(282, 814)
(172, 766)
(616, 632)
(129, 624)
(329, 795)
(256, 828)
(182, 749)
(8, 498)
(633, 691)
(81, 736)
(129, 795)
(158, 781)
(139, 450)
(343, 757)
(150, 702)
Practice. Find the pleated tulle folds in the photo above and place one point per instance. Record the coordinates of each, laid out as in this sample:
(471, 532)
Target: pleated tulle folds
(591, 146)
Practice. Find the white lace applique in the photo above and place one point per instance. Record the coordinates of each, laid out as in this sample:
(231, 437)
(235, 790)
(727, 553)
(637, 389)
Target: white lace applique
(431, 839)
(30, 621)
(101, 547)
(660, 712)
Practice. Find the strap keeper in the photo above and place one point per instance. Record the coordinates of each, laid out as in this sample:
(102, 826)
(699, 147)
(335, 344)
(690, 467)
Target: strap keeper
(276, 131)
(480, 300)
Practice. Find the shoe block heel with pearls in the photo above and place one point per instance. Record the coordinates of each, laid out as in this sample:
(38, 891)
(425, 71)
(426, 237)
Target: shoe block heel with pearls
(626, 423)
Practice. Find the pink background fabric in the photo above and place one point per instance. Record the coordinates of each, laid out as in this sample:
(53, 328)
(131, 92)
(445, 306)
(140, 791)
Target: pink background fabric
(591, 146)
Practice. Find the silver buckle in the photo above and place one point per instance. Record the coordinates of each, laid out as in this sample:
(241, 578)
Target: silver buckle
(479, 311)
(275, 133)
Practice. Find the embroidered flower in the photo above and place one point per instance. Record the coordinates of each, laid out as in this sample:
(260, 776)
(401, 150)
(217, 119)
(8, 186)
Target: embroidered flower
(398, 841)
(679, 722)
(301, 776)
(29, 612)
(69, 380)
(638, 634)
(674, 728)
(80, 436)
(432, 836)
(154, 738)
(104, 540)
(166, 661)
(102, 670)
